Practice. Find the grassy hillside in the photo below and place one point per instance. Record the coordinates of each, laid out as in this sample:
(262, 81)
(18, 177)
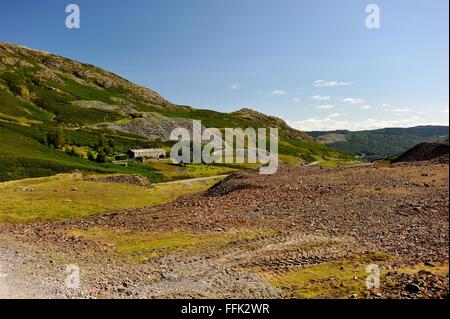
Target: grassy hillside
(43, 96)
(69, 196)
(381, 143)
(25, 157)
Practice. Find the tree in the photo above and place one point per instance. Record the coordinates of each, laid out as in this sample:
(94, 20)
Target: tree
(52, 139)
(60, 140)
(101, 157)
(56, 139)
(108, 150)
(74, 152)
(91, 156)
(103, 142)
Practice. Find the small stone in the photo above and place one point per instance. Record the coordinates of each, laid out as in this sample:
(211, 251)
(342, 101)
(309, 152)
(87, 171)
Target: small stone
(412, 288)
(424, 273)
(170, 277)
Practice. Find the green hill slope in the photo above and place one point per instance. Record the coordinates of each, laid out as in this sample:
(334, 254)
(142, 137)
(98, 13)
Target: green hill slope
(25, 157)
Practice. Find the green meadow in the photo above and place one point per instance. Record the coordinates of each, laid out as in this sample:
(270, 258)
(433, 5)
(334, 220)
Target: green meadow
(69, 196)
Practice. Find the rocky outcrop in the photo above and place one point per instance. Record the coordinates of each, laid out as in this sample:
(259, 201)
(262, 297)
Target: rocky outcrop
(152, 126)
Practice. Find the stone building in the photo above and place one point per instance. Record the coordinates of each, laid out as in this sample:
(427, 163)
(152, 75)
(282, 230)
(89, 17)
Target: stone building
(155, 153)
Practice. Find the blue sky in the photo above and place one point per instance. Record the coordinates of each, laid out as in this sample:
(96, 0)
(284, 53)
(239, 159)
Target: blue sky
(313, 63)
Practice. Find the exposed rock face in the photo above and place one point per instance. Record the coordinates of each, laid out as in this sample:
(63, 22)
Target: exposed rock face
(97, 105)
(153, 126)
(332, 138)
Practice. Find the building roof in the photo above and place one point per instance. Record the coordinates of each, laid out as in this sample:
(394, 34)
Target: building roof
(149, 150)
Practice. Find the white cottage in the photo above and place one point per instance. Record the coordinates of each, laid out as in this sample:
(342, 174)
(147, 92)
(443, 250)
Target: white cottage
(155, 153)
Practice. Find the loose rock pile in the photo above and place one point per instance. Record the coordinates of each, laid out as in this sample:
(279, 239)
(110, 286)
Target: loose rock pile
(123, 179)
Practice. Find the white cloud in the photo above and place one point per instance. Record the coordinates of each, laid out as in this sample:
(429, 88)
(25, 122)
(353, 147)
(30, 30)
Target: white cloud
(445, 111)
(321, 97)
(386, 107)
(352, 100)
(323, 83)
(334, 115)
(325, 107)
(253, 73)
(421, 113)
(400, 110)
(235, 86)
(397, 110)
(330, 123)
(366, 107)
(278, 93)
(296, 100)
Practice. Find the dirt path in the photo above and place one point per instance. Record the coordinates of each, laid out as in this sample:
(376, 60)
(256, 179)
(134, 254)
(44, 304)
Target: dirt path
(27, 272)
(15, 282)
(316, 163)
(191, 180)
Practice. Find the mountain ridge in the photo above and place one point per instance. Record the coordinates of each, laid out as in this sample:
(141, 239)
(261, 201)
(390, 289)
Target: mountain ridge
(51, 68)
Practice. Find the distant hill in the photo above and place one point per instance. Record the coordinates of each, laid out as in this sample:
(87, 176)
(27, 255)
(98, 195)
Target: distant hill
(380, 143)
(44, 96)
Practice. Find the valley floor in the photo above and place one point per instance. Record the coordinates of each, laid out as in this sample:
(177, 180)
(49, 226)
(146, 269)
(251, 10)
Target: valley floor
(305, 232)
